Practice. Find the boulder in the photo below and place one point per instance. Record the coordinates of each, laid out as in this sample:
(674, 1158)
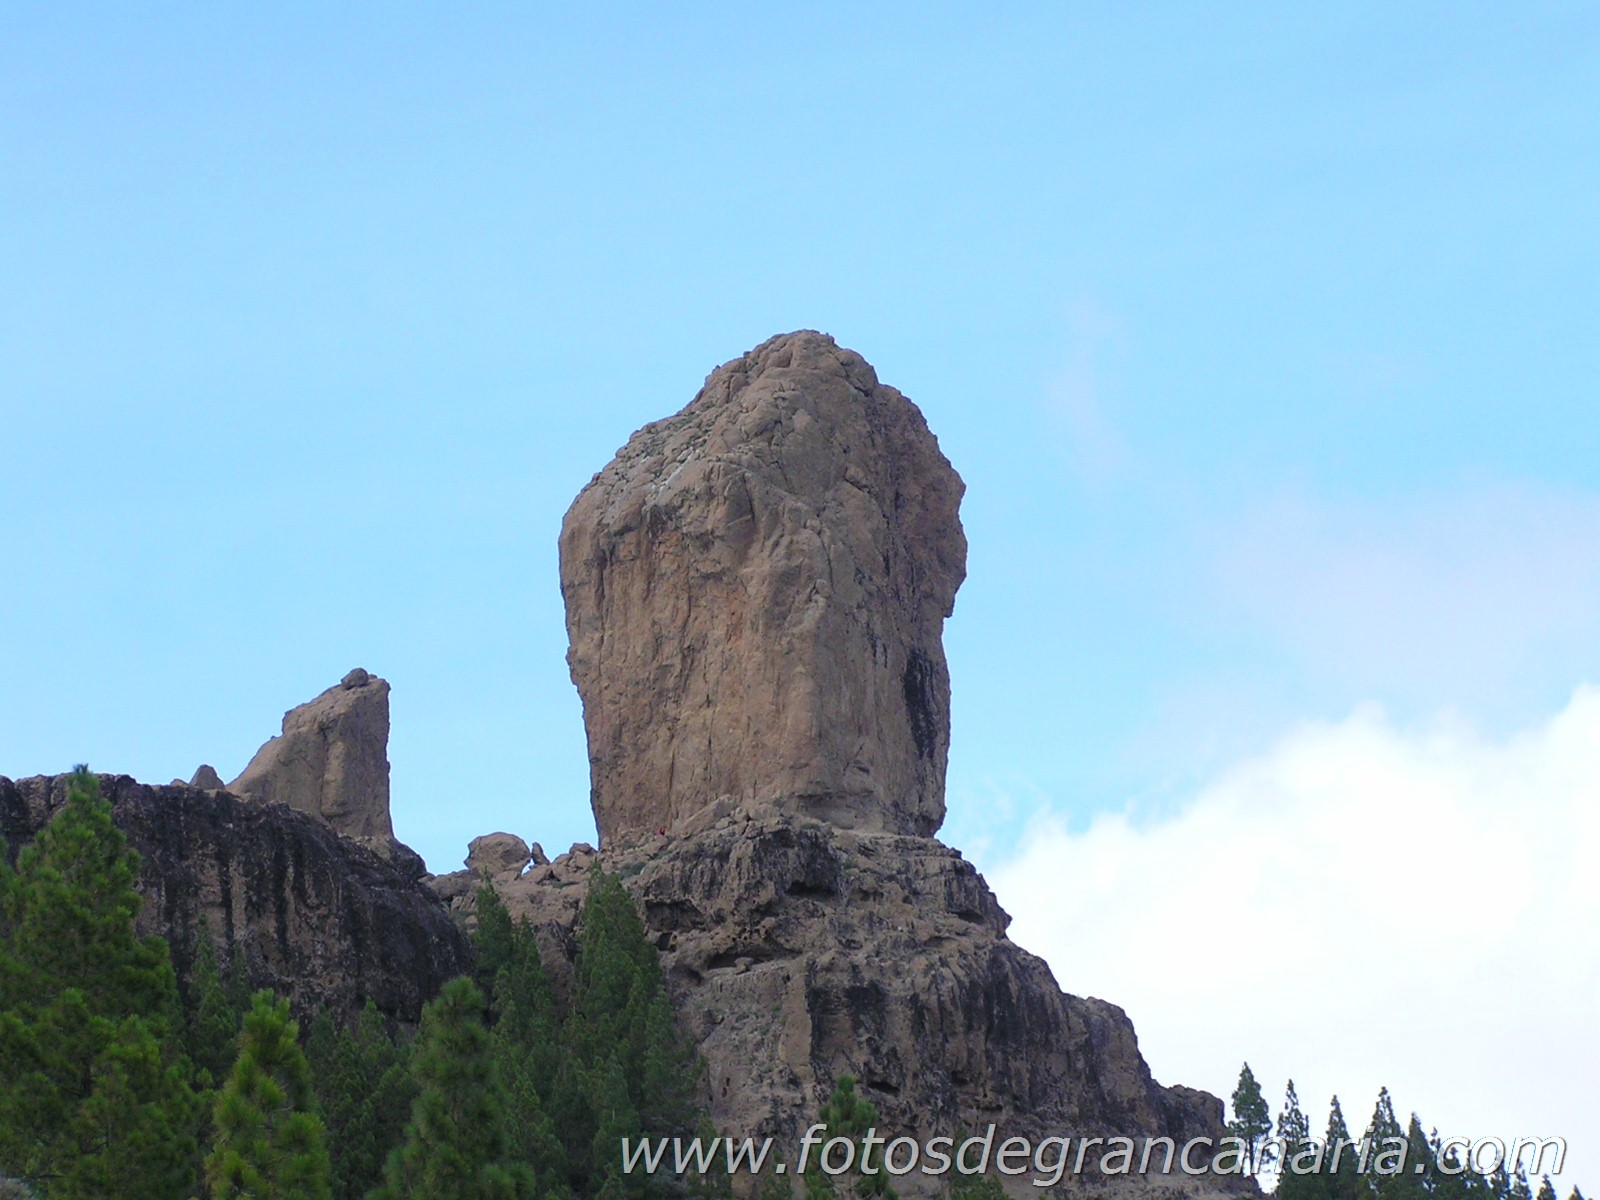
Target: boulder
(498, 855)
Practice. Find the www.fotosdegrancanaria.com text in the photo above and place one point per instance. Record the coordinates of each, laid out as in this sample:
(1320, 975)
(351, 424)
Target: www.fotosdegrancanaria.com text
(1048, 1160)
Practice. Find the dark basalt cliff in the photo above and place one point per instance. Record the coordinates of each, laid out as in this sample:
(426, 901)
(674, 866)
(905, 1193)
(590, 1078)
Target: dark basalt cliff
(317, 917)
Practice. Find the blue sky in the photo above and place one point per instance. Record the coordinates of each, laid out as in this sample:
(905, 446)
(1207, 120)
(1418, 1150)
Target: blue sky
(1264, 338)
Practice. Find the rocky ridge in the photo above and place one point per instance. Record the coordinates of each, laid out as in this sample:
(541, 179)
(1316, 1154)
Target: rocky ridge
(797, 952)
(293, 867)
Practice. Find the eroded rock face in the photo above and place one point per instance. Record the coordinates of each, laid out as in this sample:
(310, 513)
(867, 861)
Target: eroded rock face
(315, 916)
(755, 591)
(332, 761)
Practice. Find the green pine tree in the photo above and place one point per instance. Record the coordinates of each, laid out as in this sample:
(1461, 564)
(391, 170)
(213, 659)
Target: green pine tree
(269, 1138)
(215, 1015)
(848, 1114)
(455, 1145)
(1294, 1132)
(1409, 1184)
(1252, 1119)
(1450, 1181)
(493, 939)
(364, 1092)
(527, 1042)
(1385, 1175)
(1341, 1175)
(625, 1070)
(96, 1095)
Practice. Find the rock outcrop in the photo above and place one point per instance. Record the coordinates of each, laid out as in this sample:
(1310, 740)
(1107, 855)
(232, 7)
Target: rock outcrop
(755, 590)
(332, 761)
(206, 777)
(315, 916)
(798, 952)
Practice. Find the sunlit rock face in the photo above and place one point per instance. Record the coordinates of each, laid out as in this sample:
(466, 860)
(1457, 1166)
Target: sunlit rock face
(755, 591)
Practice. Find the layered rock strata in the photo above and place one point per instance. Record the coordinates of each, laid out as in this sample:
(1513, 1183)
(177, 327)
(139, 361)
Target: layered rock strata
(316, 916)
(755, 590)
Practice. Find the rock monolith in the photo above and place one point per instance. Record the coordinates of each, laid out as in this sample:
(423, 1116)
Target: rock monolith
(755, 591)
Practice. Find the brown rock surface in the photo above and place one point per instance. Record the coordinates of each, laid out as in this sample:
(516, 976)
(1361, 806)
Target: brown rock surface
(332, 761)
(315, 916)
(755, 592)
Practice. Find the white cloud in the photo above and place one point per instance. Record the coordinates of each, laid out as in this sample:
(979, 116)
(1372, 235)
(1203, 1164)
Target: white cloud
(1361, 906)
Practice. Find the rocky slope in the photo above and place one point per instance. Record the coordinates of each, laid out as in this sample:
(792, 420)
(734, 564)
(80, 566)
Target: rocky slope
(797, 952)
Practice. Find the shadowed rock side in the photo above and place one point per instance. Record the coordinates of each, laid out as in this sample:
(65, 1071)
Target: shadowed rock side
(797, 952)
(332, 761)
(755, 592)
(317, 917)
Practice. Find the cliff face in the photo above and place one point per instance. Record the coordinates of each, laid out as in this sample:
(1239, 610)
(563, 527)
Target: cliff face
(755, 591)
(316, 916)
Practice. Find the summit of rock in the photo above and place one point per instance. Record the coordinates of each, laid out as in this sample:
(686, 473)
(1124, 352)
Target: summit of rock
(755, 592)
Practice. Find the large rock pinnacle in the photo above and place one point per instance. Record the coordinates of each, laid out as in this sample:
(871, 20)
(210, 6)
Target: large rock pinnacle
(332, 761)
(755, 592)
